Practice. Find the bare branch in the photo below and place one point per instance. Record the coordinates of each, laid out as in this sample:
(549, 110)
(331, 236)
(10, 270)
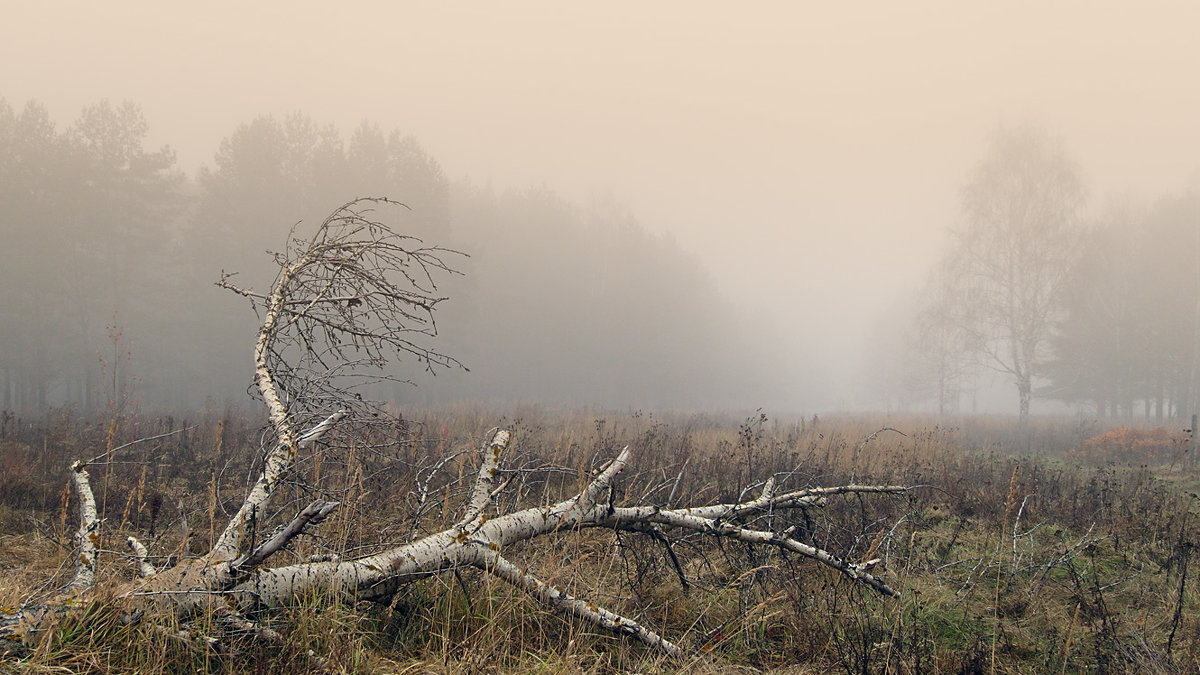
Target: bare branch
(311, 515)
(637, 518)
(487, 474)
(278, 463)
(496, 564)
(313, 435)
(796, 498)
(108, 453)
(145, 569)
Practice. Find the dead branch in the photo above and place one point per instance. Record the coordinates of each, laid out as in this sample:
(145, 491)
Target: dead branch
(494, 563)
(88, 536)
(312, 514)
(141, 555)
(487, 475)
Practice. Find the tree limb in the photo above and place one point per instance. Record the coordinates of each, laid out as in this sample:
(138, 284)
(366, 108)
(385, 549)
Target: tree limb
(145, 569)
(494, 563)
(311, 515)
(278, 463)
(487, 475)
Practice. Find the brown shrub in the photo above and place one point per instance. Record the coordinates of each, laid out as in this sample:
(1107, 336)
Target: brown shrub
(1131, 445)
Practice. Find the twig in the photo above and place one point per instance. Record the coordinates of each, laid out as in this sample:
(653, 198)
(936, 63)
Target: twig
(107, 453)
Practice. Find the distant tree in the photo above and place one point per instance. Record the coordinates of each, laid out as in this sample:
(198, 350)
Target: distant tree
(1167, 304)
(1099, 341)
(919, 354)
(84, 212)
(608, 313)
(265, 169)
(272, 169)
(124, 213)
(1131, 327)
(379, 163)
(942, 346)
(893, 375)
(32, 157)
(1014, 251)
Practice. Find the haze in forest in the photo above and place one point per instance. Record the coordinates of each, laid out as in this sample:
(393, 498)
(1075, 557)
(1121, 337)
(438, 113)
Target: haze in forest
(740, 206)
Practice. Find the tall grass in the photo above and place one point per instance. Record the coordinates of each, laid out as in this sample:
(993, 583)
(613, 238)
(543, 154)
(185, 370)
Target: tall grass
(1013, 556)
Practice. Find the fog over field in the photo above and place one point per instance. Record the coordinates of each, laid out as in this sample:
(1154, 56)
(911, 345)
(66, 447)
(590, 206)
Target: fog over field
(671, 204)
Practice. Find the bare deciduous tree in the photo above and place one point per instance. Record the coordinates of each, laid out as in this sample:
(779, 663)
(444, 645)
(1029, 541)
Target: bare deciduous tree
(356, 294)
(938, 358)
(1013, 255)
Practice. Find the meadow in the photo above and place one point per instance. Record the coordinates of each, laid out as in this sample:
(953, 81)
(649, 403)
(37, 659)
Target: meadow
(1063, 546)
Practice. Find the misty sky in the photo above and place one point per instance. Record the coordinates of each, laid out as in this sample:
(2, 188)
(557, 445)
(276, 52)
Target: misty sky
(810, 154)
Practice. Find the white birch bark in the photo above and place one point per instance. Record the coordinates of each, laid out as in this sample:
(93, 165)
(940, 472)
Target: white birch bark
(145, 569)
(377, 576)
(278, 463)
(87, 538)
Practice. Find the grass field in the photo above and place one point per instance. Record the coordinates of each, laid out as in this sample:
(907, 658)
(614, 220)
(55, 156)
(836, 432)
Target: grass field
(1063, 547)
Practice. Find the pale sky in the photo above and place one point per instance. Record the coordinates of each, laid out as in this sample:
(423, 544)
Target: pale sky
(810, 154)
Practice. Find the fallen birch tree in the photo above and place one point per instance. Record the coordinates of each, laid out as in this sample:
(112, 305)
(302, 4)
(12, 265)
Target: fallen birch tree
(354, 296)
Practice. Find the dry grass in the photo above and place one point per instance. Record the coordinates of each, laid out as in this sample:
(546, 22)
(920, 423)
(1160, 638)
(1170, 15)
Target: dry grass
(1014, 559)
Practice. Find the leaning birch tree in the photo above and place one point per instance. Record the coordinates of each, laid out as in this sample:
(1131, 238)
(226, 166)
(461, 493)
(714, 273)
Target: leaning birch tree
(348, 300)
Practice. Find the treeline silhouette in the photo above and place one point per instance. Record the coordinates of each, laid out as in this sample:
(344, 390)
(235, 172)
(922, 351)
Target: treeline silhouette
(1129, 341)
(110, 252)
